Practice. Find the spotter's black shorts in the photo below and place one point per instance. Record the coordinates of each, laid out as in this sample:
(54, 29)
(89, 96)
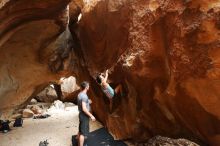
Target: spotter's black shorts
(83, 124)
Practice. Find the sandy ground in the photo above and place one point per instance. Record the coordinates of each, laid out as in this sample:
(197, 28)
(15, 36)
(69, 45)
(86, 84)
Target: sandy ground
(57, 129)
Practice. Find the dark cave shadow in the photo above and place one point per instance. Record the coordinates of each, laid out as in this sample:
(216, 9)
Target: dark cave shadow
(100, 137)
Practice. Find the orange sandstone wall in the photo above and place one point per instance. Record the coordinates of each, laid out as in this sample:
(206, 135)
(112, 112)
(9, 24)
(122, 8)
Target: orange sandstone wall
(166, 54)
(33, 47)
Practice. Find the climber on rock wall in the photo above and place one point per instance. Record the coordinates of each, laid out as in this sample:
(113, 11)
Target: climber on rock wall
(107, 89)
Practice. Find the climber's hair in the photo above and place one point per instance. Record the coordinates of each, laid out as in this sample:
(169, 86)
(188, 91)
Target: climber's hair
(84, 84)
(98, 79)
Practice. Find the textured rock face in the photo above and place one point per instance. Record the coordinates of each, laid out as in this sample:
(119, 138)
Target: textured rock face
(27, 113)
(158, 140)
(47, 95)
(33, 47)
(165, 53)
(69, 88)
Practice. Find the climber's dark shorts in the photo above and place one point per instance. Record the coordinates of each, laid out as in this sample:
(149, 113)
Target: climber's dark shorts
(83, 124)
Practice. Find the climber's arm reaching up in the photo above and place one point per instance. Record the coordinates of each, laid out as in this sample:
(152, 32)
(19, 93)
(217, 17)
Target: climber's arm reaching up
(106, 76)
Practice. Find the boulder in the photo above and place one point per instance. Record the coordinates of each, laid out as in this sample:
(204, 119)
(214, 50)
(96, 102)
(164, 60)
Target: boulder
(165, 54)
(33, 101)
(47, 95)
(36, 109)
(165, 141)
(27, 113)
(68, 88)
(34, 46)
(59, 105)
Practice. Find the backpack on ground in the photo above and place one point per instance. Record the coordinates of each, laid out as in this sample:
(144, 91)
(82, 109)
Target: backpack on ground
(18, 122)
(5, 126)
